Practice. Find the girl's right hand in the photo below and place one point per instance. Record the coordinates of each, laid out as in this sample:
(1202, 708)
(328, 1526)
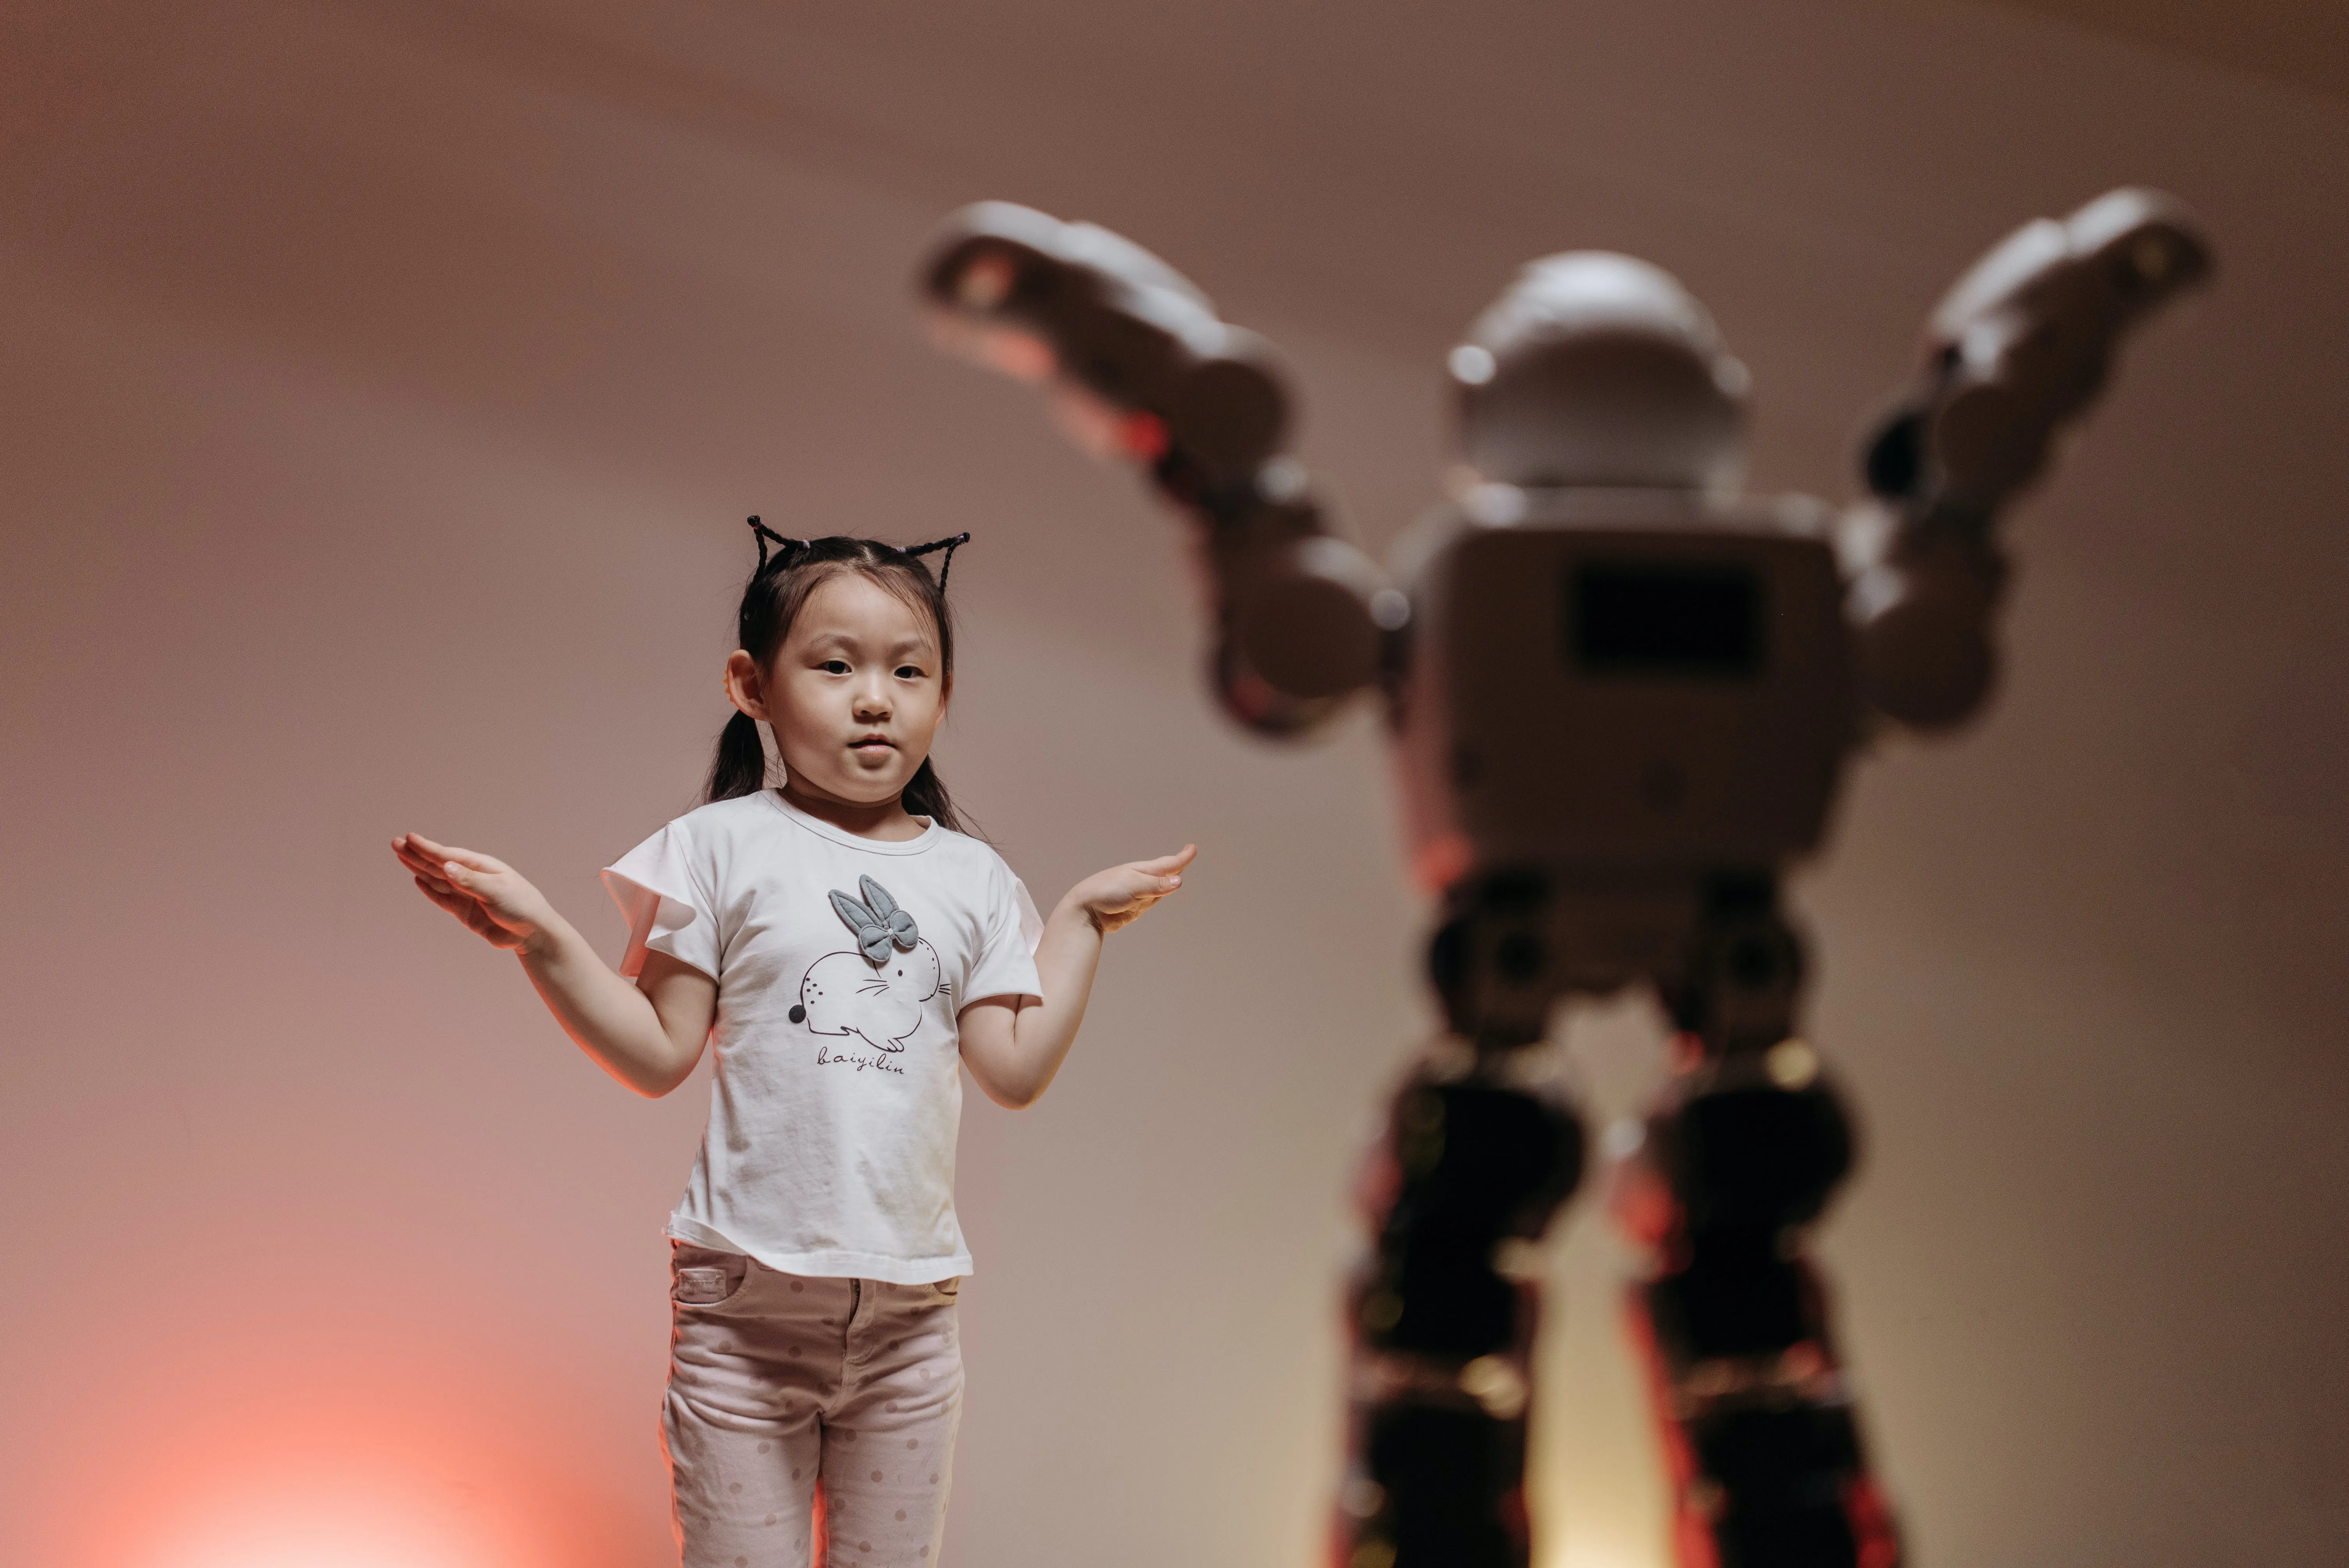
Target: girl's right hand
(496, 901)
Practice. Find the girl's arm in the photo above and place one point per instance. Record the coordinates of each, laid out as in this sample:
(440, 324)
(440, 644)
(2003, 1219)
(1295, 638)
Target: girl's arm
(647, 1035)
(1013, 1045)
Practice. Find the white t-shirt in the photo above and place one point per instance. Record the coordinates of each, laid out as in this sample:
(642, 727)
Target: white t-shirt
(841, 965)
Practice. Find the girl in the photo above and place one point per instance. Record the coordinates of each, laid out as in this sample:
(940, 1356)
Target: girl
(847, 946)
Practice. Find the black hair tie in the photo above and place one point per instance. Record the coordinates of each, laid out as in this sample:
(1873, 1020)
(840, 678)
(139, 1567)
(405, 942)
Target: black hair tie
(949, 545)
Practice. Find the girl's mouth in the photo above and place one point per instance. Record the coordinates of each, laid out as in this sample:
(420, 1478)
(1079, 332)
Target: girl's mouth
(872, 743)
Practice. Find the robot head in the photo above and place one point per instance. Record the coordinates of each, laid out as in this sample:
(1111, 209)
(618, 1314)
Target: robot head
(1598, 369)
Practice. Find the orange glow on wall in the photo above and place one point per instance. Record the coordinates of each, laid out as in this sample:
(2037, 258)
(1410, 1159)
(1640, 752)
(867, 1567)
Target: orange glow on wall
(353, 1477)
(355, 1520)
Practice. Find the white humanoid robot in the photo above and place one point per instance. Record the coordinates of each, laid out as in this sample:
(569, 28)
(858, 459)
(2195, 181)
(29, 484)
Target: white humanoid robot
(1620, 696)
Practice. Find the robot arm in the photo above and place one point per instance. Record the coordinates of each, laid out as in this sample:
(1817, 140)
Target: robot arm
(1138, 367)
(2017, 349)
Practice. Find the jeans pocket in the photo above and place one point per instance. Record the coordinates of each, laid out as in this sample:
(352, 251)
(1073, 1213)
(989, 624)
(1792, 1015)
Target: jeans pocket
(702, 1278)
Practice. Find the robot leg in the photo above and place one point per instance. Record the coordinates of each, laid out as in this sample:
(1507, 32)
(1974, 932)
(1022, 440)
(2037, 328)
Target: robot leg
(1440, 1373)
(1736, 1159)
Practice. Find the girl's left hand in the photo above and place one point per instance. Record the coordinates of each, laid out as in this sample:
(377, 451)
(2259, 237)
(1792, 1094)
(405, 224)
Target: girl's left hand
(1121, 895)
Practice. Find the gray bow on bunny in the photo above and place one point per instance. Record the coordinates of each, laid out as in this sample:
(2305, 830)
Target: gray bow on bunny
(877, 921)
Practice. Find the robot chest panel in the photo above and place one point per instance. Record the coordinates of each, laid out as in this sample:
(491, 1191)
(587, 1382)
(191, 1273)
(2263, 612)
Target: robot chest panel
(1642, 694)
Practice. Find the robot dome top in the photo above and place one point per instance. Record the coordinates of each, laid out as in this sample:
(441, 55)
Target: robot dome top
(1594, 369)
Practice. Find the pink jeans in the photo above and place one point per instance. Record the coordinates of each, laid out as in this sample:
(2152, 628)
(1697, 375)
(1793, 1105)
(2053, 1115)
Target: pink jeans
(777, 1380)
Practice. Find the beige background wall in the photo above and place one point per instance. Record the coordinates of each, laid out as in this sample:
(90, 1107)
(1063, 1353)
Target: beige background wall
(381, 388)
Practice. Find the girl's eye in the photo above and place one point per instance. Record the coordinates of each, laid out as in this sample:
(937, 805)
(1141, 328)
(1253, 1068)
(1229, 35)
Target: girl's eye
(835, 666)
(909, 672)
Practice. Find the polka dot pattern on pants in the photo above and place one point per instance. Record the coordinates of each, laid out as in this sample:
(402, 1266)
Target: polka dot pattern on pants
(745, 1397)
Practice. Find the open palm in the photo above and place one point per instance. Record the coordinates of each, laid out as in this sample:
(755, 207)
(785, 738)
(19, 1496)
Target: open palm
(1121, 895)
(496, 901)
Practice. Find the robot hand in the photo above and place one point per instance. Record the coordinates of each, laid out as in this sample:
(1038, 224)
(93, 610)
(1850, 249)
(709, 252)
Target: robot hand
(1139, 367)
(2019, 347)
(1141, 364)
(2021, 343)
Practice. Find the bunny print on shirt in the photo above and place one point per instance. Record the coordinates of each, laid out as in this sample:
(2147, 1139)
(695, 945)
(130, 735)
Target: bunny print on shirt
(875, 992)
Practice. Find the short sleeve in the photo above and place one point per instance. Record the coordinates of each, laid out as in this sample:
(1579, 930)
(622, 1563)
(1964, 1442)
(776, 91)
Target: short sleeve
(1006, 965)
(667, 907)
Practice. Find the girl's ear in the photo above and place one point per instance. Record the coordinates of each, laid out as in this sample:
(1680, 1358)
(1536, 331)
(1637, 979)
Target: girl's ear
(746, 683)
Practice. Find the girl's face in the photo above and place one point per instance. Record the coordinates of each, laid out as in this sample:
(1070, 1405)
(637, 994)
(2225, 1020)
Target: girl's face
(855, 694)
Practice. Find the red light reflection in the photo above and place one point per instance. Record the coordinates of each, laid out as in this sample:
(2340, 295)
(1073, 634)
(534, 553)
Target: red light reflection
(364, 1479)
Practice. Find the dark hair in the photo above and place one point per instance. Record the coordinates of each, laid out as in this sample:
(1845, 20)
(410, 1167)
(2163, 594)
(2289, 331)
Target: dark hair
(772, 600)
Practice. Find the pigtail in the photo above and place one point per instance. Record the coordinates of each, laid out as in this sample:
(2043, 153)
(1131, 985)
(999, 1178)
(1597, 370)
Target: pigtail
(740, 765)
(925, 796)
